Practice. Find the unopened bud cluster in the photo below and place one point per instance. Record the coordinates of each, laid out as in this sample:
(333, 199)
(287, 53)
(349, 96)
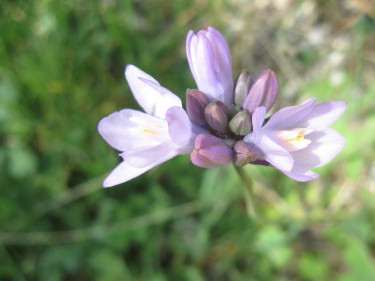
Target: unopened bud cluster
(228, 124)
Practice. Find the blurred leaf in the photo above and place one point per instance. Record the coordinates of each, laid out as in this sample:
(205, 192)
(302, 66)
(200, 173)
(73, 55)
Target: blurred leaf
(360, 263)
(272, 242)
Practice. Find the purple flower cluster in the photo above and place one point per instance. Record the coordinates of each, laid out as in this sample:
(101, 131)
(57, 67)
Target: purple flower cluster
(224, 122)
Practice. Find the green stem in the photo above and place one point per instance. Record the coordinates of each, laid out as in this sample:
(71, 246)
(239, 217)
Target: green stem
(248, 190)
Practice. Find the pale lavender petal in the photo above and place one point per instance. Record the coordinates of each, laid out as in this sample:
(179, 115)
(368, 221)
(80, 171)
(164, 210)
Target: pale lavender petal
(152, 97)
(325, 145)
(209, 60)
(179, 125)
(324, 114)
(130, 129)
(221, 49)
(144, 157)
(124, 172)
(271, 94)
(290, 117)
(206, 68)
(166, 100)
(263, 92)
(275, 154)
(191, 54)
(300, 173)
(188, 44)
(258, 118)
(224, 63)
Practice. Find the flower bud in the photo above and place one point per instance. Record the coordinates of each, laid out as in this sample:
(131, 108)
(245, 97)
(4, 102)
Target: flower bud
(244, 153)
(216, 114)
(240, 124)
(243, 84)
(196, 101)
(210, 63)
(210, 152)
(263, 92)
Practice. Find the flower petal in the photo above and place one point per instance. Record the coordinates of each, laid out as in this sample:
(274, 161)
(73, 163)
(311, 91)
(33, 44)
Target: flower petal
(130, 129)
(263, 92)
(179, 126)
(190, 45)
(275, 154)
(258, 118)
(325, 145)
(221, 50)
(210, 63)
(152, 97)
(205, 67)
(124, 172)
(157, 154)
(290, 117)
(300, 173)
(145, 160)
(324, 114)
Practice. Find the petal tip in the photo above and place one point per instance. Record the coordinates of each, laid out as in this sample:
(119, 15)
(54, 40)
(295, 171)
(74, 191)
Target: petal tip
(108, 183)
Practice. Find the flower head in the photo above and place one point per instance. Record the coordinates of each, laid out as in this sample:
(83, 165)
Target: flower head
(225, 120)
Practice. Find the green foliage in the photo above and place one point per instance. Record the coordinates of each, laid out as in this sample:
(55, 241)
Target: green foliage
(61, 71)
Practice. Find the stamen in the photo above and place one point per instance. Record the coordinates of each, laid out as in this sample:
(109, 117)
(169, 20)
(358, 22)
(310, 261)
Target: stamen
(294, 139)
(149, 131)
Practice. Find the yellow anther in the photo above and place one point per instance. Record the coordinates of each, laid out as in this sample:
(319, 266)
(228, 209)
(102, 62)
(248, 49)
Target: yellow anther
(298, 138)
(149, 131)
(294, 139)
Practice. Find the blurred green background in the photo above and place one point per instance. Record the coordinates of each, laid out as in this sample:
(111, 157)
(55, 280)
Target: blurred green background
(61, 71)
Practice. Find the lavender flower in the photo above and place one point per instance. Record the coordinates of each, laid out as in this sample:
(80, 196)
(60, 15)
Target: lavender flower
(225, 120)
(147, 139)
(297, 137)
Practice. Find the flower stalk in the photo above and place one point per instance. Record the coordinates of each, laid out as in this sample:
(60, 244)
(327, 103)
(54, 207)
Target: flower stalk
(251, 207)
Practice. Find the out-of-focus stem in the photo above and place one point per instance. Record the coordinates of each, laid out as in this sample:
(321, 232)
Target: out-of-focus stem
(248, 190)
